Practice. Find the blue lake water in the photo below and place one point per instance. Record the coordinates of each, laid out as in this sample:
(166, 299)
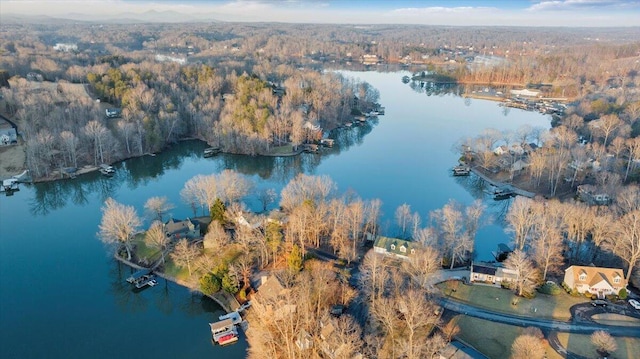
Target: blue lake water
(63, 296)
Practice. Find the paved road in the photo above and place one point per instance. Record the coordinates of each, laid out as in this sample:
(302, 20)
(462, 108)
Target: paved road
(554, 343)
(546, 324)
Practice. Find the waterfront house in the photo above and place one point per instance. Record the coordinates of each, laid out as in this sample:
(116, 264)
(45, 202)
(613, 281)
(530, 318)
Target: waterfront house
(500, 150)
(490, 273)
(176, 229)
(271, 296)
(519, 165)
(516, 149)
(395, 247)
(598, 281)
(592, 195)
(8, 132)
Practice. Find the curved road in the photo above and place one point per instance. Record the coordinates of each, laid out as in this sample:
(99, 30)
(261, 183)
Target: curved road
(551, 325)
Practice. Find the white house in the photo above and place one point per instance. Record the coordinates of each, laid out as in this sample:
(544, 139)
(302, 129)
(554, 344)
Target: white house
(500, 150)
(491, 274)
(595, 280)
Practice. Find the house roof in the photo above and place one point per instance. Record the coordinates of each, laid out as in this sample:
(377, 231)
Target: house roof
(483, 269)
(395, 245)
(173, 227)
(596, 275)
(270, 289)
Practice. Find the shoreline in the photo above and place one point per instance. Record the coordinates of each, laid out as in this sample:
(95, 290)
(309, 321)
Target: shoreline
(222, 300)
(496, 183)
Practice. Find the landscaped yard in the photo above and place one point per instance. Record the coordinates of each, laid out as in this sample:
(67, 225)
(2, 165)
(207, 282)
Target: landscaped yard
(498, 299)
(581, 345)
(492, 339)
(281, 150)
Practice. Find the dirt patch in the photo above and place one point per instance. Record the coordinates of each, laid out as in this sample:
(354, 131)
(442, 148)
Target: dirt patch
(12, 160)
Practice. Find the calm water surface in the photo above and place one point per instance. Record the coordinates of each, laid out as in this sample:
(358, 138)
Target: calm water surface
(63, 296)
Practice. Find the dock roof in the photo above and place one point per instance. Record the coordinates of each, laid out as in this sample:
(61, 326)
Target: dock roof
(221, 324)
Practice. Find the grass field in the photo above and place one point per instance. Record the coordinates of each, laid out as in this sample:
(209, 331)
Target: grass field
(628, 348)
(498, 299)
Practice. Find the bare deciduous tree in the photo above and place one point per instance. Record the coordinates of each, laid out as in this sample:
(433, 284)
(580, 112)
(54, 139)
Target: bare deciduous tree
(184, 254)
(605, 344)
(304, 187)
(156, 237)
(422, 264)
(119, 224)
(527, 347)
(527, 275)
(520, 219)
(627, 244)
(156, 207)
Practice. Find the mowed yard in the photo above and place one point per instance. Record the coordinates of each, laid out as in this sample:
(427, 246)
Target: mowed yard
(495, 339)
(628, 348)
(492, 339)
(500, 300)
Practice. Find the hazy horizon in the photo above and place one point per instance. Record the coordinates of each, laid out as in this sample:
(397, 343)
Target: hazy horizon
(568, 13)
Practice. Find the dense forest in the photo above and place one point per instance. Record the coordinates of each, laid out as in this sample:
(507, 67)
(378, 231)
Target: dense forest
(250, 87)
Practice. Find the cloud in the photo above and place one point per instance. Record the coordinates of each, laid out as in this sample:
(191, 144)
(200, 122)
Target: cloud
(439, 10)
(564, 5)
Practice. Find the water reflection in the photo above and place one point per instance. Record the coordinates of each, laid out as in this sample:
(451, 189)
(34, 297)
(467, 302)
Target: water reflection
(140, 171)
(477, 187)
(127, 300)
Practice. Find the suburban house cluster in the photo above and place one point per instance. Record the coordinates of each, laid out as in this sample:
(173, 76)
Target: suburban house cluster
(598, 281)
(272, 298)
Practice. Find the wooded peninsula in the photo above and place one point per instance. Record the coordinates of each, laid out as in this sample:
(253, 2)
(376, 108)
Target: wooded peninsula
(332, 282)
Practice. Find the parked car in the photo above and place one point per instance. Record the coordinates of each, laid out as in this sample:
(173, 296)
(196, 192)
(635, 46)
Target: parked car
(634, 303)
(599, 302)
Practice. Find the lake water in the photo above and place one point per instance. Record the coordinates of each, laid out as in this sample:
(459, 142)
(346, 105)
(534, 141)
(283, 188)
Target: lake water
(63, 296)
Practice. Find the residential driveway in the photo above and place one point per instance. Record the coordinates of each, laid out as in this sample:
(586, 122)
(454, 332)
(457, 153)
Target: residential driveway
(446, 274)
(554, 343)
(581, 313)
(545, 324)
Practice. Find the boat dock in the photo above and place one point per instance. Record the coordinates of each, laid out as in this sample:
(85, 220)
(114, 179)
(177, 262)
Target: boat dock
(137, 275)
(234, 316)
(224, 332)
(210, 151)
(505, 187)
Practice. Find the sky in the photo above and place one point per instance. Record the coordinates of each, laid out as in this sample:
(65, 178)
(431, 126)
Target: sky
(573, 13)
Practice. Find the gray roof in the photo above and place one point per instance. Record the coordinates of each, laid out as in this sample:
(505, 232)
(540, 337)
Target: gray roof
(484, 269)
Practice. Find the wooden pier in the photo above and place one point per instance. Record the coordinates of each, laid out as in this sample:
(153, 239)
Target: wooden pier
(504, 186)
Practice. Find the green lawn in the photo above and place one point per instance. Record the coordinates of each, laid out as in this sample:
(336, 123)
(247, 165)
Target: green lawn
(498, 299)
(281, 150)
(142, 251)
(581, 345)
(492, 339)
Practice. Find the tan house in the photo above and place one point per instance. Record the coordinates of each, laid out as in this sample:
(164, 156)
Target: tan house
(176, 229)
(595, 280)
(271, 296)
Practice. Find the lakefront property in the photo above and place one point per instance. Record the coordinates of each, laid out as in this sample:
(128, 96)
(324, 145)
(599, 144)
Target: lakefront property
(598, 281)
(260, 206)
